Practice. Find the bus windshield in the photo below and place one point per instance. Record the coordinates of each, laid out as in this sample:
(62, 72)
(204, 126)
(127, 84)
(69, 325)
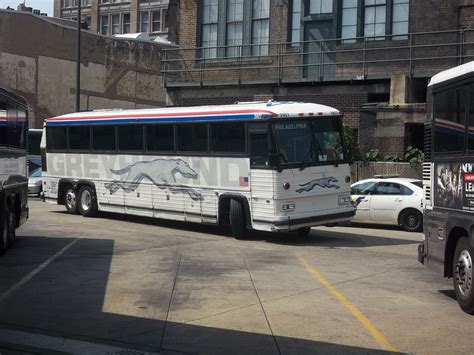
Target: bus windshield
(307, 142)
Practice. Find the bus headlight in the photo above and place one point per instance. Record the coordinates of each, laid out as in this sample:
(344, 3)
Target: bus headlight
(344, 200)
(288, 207)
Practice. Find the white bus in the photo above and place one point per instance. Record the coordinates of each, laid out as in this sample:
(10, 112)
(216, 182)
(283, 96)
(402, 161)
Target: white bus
(264, 166)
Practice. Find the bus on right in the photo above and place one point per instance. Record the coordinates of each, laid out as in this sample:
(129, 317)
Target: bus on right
(448, 180)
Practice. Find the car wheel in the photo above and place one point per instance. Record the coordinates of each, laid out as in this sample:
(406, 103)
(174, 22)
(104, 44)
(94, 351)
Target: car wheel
(70, 200)
(462, 275)
(87, 202)
(237, 220)
(411, 220)
(303, 232)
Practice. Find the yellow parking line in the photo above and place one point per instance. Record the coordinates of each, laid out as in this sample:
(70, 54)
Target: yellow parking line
(379, 338)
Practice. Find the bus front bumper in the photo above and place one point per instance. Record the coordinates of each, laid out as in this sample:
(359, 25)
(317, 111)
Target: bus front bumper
(290, 224)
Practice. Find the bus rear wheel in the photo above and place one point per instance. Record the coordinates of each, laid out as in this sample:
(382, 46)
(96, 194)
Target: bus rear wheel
(237, 220)
(87, 202)
(462, 275)
(70, 200)
(8, 227)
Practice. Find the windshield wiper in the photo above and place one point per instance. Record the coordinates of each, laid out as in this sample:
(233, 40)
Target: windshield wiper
(305, 161)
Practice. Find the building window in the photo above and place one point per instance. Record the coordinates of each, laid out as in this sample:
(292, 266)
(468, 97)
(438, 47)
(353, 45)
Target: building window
(144, 21)
(234, 30)
(295, 22)
(156, 21)
(400, 18)
(375, 15)
(115, 23)
(209, 28)
(126, 23)
(241, 26)
(260, 27)
(320, 7)
(349, 21)
(104, 24)
(165, 20)
(86, 2)
(374, 19)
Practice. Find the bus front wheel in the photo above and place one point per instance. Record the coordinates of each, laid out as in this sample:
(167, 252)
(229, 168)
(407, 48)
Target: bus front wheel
(87, 201)
(237, 219)
(462, 275)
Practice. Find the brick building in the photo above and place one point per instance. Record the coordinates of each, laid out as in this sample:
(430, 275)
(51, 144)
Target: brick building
(371, 59)
(112, 17)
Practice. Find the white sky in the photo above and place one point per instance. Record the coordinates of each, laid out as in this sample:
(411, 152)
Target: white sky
(43, 5)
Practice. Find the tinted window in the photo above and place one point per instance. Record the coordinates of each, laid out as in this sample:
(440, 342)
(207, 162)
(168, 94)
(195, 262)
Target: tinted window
(388, 188)
(34, 141)
(56, 138)
(406, 191)
(79, 138)
(449, 120)
(328, 137)
(160, 138)
(228, 137)
(294, 141)
(103, 138)
(192, 137)
(363, 188)
(259, 149)
(130, 137)
(470, 131)
(16, 126)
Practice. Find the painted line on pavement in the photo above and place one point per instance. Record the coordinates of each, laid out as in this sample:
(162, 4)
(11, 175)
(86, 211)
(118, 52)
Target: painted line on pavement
(376, 334)
(32, 274)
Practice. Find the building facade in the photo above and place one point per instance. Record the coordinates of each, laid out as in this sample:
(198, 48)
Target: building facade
(113, 17)
(371, 59)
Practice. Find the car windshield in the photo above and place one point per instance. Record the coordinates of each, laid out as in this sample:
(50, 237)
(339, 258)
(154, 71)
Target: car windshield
(36, 173)
(310, 141)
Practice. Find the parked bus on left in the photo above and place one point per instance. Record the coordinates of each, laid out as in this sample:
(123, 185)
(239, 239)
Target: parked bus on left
(13, 166)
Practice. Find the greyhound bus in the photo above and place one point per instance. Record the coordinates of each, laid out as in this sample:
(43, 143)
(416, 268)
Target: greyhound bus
(13, 166)
(448, 179)
(265, 166)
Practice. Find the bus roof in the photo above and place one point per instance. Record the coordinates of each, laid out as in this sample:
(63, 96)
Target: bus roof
(452, 73)
(245, 111)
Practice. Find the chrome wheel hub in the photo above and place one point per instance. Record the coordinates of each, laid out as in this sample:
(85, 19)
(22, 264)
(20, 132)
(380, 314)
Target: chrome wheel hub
(412, 221)
(71, 198)
(463, 273)
(86, 200)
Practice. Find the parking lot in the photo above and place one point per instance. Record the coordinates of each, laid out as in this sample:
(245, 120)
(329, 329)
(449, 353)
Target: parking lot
(116, 284)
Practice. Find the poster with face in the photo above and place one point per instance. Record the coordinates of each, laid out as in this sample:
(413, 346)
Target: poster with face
(454, 185)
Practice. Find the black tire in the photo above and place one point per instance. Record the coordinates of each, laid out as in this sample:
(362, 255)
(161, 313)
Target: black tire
(4, 232)
(462, 275)
(237, 220)
(411, 220)
(87, 202)
(303, 232)
(70, 200)
(11, 225)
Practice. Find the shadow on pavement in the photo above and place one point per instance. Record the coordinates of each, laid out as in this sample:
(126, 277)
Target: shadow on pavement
(316, 238)
(449, 293)
(66, 299)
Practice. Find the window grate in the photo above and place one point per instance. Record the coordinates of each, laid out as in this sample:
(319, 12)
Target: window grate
(427, 143)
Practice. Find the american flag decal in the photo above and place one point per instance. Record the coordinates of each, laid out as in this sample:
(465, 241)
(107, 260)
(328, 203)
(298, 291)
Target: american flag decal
(243, 181)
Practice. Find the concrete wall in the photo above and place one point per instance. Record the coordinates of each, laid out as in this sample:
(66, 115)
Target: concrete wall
(38, 63)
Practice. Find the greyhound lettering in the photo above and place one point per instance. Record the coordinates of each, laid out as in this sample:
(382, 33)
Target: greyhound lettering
(162, 172)
(325, 182)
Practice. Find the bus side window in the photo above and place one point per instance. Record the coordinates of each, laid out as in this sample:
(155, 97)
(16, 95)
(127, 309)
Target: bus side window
(228, 137)
(79, 138)
(160, 138)
(56, 138)
(103, 138)
(192, 137)
(259, 153)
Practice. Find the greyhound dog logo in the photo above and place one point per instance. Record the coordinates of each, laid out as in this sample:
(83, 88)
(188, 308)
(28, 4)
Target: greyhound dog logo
(161, 172)
(325, 182)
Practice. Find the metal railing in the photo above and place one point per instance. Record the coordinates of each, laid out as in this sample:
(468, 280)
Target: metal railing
(421, 54)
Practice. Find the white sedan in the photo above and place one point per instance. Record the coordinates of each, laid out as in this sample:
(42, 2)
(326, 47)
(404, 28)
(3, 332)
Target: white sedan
(396, 201)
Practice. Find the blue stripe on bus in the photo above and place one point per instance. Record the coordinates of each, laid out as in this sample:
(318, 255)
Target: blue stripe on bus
(85, 121)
